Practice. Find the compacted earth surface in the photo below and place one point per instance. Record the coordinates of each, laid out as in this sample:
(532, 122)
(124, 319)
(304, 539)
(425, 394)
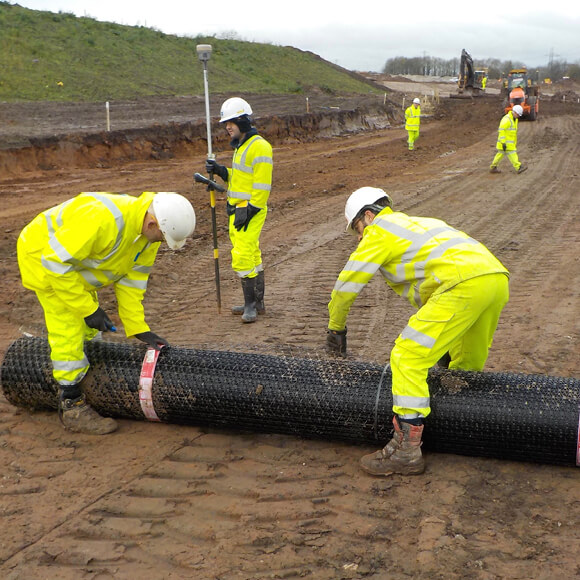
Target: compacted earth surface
(165, 501)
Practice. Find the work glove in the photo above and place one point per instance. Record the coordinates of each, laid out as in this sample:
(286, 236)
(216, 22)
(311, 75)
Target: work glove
(243, 215)
(213, 167)
(152, 339)
(336, 342)
(504, 146)
(99, 320)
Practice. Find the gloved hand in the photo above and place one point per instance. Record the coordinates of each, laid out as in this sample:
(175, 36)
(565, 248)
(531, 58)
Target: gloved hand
(336, 342)
(243, 215)
(152, 339)
(99, 320)
(212, 166)
(504, 147)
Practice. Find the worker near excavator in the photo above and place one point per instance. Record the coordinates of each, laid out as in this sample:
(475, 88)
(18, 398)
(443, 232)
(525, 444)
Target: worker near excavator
(459, 288)
(507, 140)
(249, 184)
(68, 252)
(412, 122)
(483, 82)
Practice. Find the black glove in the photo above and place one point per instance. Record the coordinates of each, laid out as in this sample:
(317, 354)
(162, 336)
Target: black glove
(504, 147)
(243, 215)
(336, 342)
(99, 320)
(152, 339)
(213, 167)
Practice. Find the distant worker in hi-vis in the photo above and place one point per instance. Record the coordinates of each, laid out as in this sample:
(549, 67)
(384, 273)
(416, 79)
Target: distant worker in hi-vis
(507, 140)
(412, 122)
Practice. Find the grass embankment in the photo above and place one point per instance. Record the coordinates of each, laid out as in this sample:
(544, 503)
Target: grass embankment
(60, 57)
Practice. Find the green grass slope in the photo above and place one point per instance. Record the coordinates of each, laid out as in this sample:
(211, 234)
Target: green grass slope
(60, 57)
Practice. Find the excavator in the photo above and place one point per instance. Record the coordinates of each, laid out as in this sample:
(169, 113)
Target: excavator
(519, 89)
(471, 81)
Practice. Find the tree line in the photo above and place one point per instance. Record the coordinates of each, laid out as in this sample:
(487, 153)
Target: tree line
(434, 66)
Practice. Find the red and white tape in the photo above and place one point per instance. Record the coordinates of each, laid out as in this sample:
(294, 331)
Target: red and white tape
(146, 384)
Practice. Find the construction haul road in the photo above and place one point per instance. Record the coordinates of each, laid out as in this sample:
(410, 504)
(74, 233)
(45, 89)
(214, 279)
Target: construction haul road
(177, 502)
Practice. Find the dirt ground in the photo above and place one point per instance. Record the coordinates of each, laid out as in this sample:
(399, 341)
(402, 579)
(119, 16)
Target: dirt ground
(175, 502)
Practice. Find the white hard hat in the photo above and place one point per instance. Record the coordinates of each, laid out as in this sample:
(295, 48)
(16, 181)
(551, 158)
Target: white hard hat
(518, 110)
(233, 108)
(175, 217)
(359, 199)
(417, 101)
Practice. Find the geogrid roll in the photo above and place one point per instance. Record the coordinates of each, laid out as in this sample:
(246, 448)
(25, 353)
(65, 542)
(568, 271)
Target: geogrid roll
(503, 415)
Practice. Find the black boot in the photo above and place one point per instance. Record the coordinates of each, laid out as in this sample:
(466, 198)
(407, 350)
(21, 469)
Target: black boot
(260, 308)
(249, 288)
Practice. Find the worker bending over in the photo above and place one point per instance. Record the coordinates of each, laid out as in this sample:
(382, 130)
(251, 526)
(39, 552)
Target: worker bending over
(412, 122)
(507, 139)
(459, 288)
(249, 184)
(67, 253)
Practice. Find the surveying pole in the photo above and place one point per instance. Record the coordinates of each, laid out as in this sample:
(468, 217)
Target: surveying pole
(204, 54)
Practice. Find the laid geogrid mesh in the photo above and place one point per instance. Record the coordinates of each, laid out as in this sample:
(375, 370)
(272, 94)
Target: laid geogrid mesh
(503, 415)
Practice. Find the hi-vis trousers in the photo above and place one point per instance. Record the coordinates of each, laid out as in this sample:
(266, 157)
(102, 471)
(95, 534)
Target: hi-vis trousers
(412, 137)
(460, 321)
(67, 333)
(246, 253)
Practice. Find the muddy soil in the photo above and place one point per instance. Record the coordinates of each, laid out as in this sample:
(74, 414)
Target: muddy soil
(175, 502)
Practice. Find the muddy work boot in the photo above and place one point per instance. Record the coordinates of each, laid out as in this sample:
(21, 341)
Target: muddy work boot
(494, 170)
(522, 169)
(78, 416)
(401, 455)
(260, 287)
(249, 288)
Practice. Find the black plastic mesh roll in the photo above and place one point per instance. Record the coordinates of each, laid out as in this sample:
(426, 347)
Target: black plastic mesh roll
(503, 415)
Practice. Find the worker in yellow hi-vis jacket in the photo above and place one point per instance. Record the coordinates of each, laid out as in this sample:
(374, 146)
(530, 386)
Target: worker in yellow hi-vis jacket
(507, 140)
(67, 253)
(456, 283)
(249, 184)
(412, 122)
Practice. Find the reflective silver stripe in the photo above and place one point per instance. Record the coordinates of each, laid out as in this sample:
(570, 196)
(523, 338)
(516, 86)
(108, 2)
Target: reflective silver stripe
(263, 159)
(239, 195)
(56, 267)
(59, 249)
(411, 402)
(355, 287)
(259, 268)
(75, 381)
(244, 273)
(142, 269)
(360, 266)
(141, 284)
(119, 220)
(243, 168)
(419, 337)
(70, 365)
(411, 415)
(90, 278)
(262, 186)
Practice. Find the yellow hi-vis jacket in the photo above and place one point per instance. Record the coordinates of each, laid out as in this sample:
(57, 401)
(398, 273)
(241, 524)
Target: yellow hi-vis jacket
(418, 257)
(250, 177)
(507, 132)
(412, 118)
(86, 243)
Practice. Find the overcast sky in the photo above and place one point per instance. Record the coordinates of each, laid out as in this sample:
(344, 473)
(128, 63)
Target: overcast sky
(361, 35)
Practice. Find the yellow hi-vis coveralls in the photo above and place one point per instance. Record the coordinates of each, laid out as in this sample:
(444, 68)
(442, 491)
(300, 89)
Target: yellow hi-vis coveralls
(412, 122)
(249, 185)
(70, 251)
(457, 284)
(508, 136)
